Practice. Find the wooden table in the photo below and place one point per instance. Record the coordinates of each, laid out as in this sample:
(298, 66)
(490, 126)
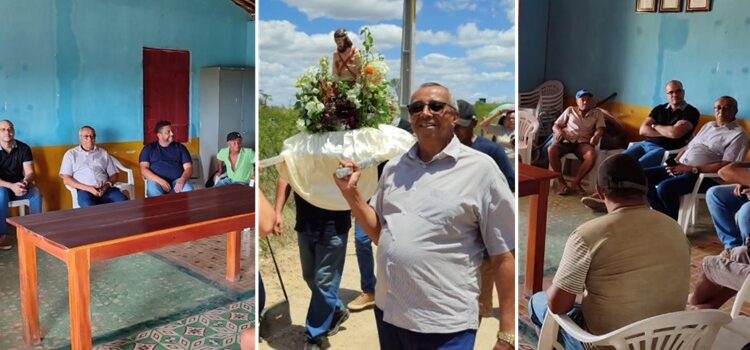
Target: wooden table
(534, 182)
(84, 236)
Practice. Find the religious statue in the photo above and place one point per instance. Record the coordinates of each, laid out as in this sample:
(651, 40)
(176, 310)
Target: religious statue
(346, 58)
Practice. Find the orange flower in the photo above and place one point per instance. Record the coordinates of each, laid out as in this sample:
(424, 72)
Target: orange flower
(370, 70)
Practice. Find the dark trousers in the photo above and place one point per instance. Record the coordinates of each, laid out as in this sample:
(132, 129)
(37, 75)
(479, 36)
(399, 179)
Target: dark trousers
(395, 338)
(664, 190)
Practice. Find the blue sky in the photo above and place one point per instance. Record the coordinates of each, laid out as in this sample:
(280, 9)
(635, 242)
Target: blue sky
(467, 45)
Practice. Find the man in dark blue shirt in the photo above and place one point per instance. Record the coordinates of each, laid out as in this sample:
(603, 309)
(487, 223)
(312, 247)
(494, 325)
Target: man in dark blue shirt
(464, 130)
(165, 164)
(321, 236)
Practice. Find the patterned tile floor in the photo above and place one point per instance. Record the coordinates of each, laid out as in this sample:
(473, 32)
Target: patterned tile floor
(173, 298)
(564, 215)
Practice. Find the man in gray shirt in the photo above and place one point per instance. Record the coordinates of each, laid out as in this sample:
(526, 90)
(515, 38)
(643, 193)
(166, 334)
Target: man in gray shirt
(437, 208)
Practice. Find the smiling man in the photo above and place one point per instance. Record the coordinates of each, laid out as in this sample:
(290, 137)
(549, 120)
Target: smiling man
(437, 208)
(165, 164)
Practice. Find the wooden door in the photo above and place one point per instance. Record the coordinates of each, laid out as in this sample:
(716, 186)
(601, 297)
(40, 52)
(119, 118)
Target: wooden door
(166, 92)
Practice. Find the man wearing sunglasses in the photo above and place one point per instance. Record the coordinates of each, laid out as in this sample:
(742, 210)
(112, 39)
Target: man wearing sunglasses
(90, 170)
(437, 208)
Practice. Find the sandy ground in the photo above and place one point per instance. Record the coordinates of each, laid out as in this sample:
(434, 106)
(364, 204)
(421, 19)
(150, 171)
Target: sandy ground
(358, 332)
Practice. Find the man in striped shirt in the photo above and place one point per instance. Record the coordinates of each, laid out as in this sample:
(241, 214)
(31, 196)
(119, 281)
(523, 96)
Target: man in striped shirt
(629, 265)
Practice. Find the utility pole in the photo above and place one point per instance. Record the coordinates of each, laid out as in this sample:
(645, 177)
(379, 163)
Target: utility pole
(406, 81)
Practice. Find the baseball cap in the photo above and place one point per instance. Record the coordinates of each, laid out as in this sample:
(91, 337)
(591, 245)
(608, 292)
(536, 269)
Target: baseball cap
(583, 92)
(621, 172)
(233, 136)
(465, 114)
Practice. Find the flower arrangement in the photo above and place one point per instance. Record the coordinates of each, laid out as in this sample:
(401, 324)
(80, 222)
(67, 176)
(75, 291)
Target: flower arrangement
(328, 104)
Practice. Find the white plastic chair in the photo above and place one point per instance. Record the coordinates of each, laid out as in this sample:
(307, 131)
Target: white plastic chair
(545, 98)
(528, 125)
(673, 331)
(21, 204)
(740, 324)
(689, 202)
(128, 187)
(667, 153)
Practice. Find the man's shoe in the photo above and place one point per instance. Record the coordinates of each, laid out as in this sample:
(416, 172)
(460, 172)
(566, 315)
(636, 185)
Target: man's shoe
(338, 318)
(594, 204)
(313, 344)
(363, 301)
(5, 243)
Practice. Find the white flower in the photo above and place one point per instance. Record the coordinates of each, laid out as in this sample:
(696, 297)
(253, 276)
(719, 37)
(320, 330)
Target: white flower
(301, 125)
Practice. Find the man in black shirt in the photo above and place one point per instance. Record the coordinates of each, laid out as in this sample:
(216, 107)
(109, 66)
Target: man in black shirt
(16, 178)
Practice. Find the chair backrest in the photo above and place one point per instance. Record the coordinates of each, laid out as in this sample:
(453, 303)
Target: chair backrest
(743, 296)
(527, 127)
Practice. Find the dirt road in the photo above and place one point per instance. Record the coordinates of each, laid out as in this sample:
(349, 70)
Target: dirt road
(358, 332)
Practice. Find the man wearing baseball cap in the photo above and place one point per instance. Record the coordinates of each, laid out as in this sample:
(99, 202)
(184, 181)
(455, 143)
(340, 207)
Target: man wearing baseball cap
(464, 130)
(578, 130)
(629, 265)
(238, 161)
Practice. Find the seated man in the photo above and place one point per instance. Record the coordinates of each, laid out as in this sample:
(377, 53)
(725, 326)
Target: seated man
(629, 265)
(16, 178)
(578, 130)
(669, 126)
(166, 164)
(91, 171)
(717, 144)
(729, 202)
(238, 160)
(721, 278)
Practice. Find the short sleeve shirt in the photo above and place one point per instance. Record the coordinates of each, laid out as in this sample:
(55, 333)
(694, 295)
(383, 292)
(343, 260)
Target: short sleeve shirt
(664, 115)
(434, 230)
(166, 162)
(11, 163)
(633, 263)
(91, 168)
(716, 143)
(583, 127)
(245, 164)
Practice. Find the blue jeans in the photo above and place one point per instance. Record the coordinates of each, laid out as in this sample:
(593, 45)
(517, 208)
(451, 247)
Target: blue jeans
(648, 154)
(538, 310)
(153, 189)
(6, 196)
(322, 259)
(227, 181)
(363, 247)
(396, 338)
(664, 190)
(112, 195)
(723, 205)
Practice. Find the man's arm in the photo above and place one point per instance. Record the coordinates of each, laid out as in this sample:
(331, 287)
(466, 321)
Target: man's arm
(187, 171)
(736, 173)
(487, 122)
(680, 129)
(505, 269)
(72, 182)
(560, 301)
(363, 213)
(647, 129)
(282, 193)
(28, 172)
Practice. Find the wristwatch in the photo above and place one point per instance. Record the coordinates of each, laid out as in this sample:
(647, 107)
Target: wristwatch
(509, 338)
(695, 170)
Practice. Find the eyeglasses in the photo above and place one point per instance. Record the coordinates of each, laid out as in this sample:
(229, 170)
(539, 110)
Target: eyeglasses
(435, 106)
(88, 136)
(675, 91)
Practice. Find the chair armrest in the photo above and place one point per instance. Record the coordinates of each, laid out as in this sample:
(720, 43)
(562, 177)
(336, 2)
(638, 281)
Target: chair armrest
(128, 171)
(742, 296)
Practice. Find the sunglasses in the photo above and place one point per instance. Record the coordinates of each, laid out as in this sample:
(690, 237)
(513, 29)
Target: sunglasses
(435, 106)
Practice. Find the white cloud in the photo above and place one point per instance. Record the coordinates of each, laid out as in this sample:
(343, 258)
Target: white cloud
(492, 55)
(459, 75)
(350, 10)
(510, 10)
(386, 36)
(456, 5)
(470, 35)
(434, 38)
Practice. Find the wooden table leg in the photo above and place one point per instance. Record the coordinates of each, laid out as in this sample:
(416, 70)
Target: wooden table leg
(234, 249)
(27, 272)
(537, 234)
(78, 262)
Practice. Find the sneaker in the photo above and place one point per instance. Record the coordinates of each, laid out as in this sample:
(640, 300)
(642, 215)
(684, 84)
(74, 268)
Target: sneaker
(5, 243)
(594, 204)
(363, 301)
(338, 318)
(313, 344)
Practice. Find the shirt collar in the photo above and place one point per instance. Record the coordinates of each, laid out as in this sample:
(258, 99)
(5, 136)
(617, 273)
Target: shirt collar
(80, 148)
(680, 106)
(451, 150)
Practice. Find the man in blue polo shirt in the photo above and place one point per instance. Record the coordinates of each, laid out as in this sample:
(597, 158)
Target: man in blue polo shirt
(165, 164)
(16, 177)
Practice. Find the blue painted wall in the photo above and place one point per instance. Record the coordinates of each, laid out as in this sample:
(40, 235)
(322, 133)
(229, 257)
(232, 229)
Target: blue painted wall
(606, 46)
(66, 63)
(532, 42)
(250, 53)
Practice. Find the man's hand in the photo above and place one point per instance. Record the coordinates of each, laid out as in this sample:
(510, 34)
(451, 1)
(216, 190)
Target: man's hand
(746, 192)
(348, 184)
(164, 185)
(179, 185)
(595, 140)
(679, 169)
(501, 345)
(558, 137)
(739, 190)
(278, 226)
(19, 189)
